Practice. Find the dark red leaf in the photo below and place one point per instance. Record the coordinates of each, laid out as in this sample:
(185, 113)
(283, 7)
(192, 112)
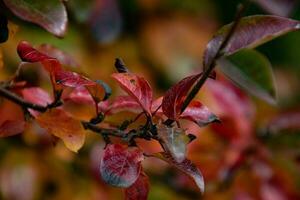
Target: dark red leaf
(120, 166)
(174, 97)
(186, 166)
(137, 87)
(251, 32)
(49, 14)
(140, 189)
(199, 114)
(10, 128)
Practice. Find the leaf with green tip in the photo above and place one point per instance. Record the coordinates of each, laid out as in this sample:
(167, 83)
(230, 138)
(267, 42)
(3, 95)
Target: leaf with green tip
(251, 32)
(252, 71)
(49, 14)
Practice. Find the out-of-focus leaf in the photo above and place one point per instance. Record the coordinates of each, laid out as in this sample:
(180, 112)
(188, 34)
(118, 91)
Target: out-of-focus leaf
(36, 95)
(99, 91)
(63, 57)
(288, 121)
(1, 59)
(140, 189)
(252, 71)
(186, 166)
(137, 87)
(174, 97)
(277, 7)
(58, 123)
(199, 114)
(49, 14)
(251, 32)
(123, 103)
(120, 166)
(10, 128)
(3, 29)
(105, 21)
(175, 141)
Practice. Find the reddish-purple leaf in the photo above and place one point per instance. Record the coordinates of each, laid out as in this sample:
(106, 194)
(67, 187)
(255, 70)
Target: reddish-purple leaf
(120, 166)
(140, 189)
(251, 32)
(137, 87)
(199, 114)
(80, 95)
(186, 166)
(278, 7)
(63, 57)
(10, 128)
(123, 103)
(49, 14)
(174, 97)
(29, 54)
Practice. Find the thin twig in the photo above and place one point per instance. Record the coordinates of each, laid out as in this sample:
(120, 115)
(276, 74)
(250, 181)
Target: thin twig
(212, 64)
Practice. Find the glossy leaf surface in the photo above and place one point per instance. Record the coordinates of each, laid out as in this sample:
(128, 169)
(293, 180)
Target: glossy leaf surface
(49, 14)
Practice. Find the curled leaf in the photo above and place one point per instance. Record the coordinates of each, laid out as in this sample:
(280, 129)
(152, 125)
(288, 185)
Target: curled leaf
(120, 166)
(72, 79)
(99, 91)
(137, 87)
(186, 166)
(251, 32)
(139, 190)
(60, 124)
(173, 100)
(49, 14)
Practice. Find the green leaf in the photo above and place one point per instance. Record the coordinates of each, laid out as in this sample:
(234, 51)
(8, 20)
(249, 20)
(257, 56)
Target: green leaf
(49, 14)
(251, 71)
(250, 32)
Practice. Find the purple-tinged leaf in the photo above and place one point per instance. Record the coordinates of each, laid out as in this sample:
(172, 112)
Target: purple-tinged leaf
(173, 100)
(120, 166)
(277, 7)
(287, 121)
(186, 166)
(49, 14)
(251, 32)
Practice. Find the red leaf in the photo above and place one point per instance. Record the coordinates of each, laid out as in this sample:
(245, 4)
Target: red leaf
(174, 97)
(140, 189)
(120, 166)
(80, 95)
(199, 114)
(72, 79)
(123, 103)
(36, 95)
(10, 128)
(186, 166)
(29, 54)
(137, 87)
